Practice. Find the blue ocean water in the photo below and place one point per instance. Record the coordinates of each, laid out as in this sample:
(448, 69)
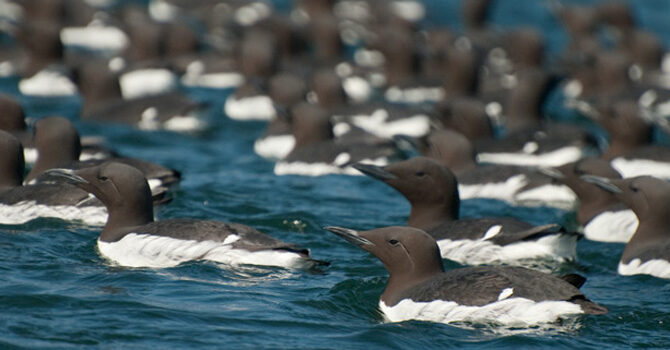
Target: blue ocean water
(57, 292)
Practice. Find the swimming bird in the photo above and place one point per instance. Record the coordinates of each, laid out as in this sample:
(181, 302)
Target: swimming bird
(132, 238)
(419, 288)
(432, 190)
(601, 215)
(318, 152)
(58, 145)
(20, 204)
(648, 251)
(631, 150)
(516, 185)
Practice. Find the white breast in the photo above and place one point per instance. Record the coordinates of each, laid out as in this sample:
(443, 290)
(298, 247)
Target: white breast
(378, 124)
(147, 82)
(249, 108)
(274, 147)
(549, 159)
(510, 311)
(414, 95)
(320, 169)
(556, 196)
(559, 247)
(656, 267)
(190, 122)
(618, 226)
(222, 80)
(144, 250)
(504, 191)
(639, 167)
(95, 37)
(48, 83)
(25, 211)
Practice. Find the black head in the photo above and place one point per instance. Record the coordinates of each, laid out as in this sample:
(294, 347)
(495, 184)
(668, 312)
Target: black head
(57, 142)
(409, 255)
(592, 200)
(452, 149)
(120, 187)
(429, 186)
(647, 196)
(310, 124)
(627, 129)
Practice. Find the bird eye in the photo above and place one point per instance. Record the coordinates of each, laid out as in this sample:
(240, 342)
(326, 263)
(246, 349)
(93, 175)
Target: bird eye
(102, 178)
(393, 241)
(633, 188)
(420, 174)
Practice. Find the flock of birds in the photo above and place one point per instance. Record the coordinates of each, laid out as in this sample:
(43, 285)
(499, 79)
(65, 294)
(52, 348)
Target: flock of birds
(356, 87)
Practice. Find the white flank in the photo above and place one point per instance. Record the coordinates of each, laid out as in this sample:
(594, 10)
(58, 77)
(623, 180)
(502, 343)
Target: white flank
(357, 88)
(154, 184)
(554, 158)
(558, 247)
(144, 250)
(95, 37)
(369, 58)
(147, 82)
(656, 267)
(556, 196)
(30, 155)
(638, 167)
(492, 232)
(25, 211)
(89, 156)
(377, 124)
(320, 169)
(505, 191)
(618, 226)
(47, 83)
(179, 123)
(224, 80)
(185, 123)
(274, 147)
(250, 108)
(342, 159)
(162, 11)
(518, 312)
(505, 293)
(340, 129)
(414, 95)
(252, 13)
(408, 10)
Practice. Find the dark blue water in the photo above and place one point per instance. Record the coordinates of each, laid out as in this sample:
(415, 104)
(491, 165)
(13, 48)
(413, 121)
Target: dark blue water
(57, 292)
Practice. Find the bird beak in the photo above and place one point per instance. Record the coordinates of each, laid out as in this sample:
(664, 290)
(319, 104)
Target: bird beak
(374, 171)
(602, 182)
(69, 175)
(352, 236)
(551, 172)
